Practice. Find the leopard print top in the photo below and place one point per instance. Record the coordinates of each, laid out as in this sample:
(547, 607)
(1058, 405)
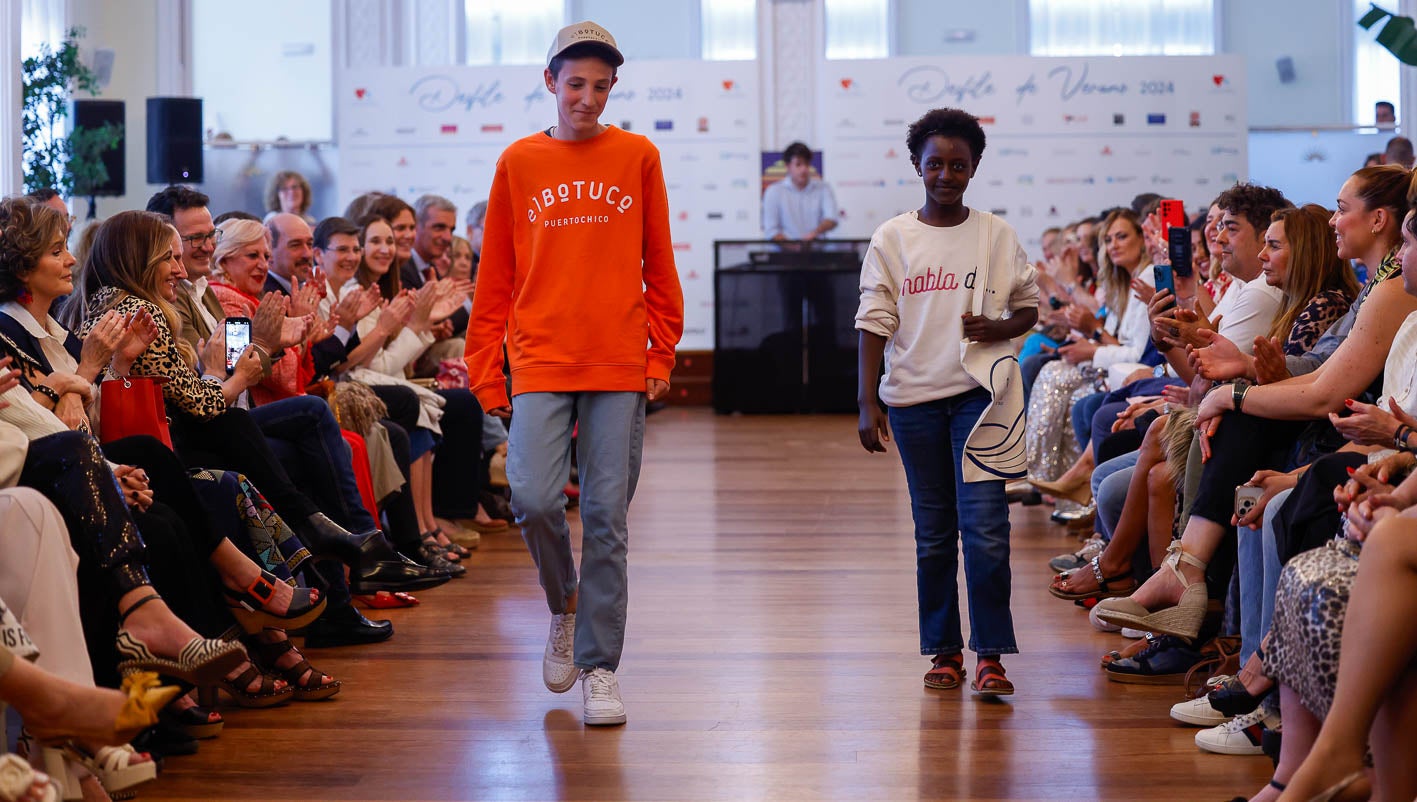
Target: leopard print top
(185, 391)
(1323, 310)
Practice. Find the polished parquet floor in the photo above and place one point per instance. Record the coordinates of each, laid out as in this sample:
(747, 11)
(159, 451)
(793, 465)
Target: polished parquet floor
(771, 655)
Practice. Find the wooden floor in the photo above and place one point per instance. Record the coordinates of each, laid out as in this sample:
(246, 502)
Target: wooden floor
(771, 654)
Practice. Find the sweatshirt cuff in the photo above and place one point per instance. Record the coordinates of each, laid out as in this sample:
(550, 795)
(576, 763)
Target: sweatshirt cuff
(658, 367)
(492, 396)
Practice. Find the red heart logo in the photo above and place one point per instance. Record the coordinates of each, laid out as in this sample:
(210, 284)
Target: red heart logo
(846, 83)
(359, 93)
(1219, 79)
(727, 86)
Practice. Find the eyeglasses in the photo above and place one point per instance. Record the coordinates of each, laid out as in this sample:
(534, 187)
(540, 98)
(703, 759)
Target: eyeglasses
(210, 238)
(346, 250)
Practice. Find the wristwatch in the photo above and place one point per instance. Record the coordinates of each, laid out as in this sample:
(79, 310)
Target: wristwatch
(1237, 394)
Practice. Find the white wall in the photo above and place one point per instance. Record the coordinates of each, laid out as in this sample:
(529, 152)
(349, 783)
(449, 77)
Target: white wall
(651, 29)
(130, 29)
(1316, 34)
(264, 70)
(931, 27)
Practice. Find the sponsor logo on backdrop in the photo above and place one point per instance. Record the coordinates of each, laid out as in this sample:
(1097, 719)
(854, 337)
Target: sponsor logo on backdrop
(710, 187)
(402, 162)
(1064, 152)
(1025, 180)
(1202, 181)
(1156, 119)
(442, 92)
(894, 123)
(1052, 211)
(664, 125)
(863, 182)
(739, 122)
(1229, 178)
(361, 93)
(693, 275)
(1195, 119)
(492, 128)
(1072, 119)
(742, 214)
(683, 215)
(1121, 179)
(1224, 150)
(994, 182)
(362, 133)
(1180, 152)
(1025, 211)
(1013, 151)
(715, 215)
(703, 125)
(1220, 84)
(931, 84)
(1162, 180)
(845, 122)
(688, 156)
(1106, 150)
(986, 120)
(739, 183)
(1070, 85)
(1070, 179)
(625, 125)
(447, 128)
(892, 154)
(848, 87)
(1315, 155)
(683, 246)
(1119, 119)
(406, 130)
(1000, 211)
(733, 155)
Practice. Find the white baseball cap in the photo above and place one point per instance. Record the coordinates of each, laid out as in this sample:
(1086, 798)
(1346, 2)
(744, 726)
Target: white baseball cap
(587, 32)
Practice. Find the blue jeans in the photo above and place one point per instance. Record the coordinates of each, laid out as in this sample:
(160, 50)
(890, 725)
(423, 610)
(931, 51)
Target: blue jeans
(608, 448)
(304, 435)
(1109, 487)
(946, 509)
(1258, 556)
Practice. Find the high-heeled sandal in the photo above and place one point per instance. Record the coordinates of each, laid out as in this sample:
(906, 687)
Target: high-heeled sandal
(202, 661)
(17, 777)
(112, 765)
(238, 689)
(1106, 585)
(302, 677)
(248, 607)
(146, 699)
(1183, 619)
(195, 722)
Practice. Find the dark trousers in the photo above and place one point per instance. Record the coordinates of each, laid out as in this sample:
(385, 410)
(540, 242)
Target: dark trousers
(456, 464)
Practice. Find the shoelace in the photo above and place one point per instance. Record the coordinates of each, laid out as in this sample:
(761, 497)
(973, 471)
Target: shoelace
(564, 637)
(1245, 721)
(602, 684)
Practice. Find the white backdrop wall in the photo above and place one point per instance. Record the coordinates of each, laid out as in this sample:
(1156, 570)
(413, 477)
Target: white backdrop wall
(1067, 137)
(412, 131)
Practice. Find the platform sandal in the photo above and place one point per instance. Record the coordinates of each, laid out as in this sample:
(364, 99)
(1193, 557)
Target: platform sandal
(202, 661)
(195, 722)
(1107, 586)
(434, 555)
(303, 678)
(268, 695)
(248, 606)
(113, 766)
(1183, 619)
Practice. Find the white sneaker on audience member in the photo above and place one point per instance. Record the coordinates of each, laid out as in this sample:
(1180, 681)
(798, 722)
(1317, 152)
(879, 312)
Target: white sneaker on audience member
(1098, 624)
(558, 668)
(1197, 713)
(1134, 634)
(601, 693)
(1241, 735)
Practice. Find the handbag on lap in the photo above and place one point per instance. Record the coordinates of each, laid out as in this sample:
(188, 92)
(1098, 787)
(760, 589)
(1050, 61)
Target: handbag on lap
(132, 406)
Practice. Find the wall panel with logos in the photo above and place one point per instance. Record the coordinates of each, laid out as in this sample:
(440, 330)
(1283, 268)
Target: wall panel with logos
(1066, 137)
(416, 130)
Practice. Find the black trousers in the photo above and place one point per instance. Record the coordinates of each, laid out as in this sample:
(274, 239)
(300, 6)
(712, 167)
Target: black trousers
(457, 462)
(232, 441)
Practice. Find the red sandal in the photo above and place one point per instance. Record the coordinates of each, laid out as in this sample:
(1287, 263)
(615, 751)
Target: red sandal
(946, 673)
(991, 681)
(385, 600)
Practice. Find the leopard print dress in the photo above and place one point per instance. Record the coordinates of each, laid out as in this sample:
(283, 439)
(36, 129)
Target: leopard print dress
(1309, 607)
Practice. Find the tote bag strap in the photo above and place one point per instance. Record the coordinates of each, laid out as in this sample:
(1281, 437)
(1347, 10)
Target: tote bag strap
(982, 272)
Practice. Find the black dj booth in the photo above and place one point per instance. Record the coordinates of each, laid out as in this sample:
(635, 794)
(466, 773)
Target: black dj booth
(784, 325)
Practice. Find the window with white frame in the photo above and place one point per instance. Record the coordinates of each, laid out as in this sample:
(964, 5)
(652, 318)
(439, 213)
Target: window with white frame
(858, 29)
(511, 31)
(1121, 27)
(1376, 71)
(729, 29)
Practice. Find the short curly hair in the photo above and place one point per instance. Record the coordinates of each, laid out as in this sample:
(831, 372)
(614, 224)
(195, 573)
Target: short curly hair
(273, 191)
(1254, 202)
(27, 230)
(945, 122)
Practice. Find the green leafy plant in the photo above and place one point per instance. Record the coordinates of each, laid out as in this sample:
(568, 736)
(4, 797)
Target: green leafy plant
(1399, 35)
(72, 164)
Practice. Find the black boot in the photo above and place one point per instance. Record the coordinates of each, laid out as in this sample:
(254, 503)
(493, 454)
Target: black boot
(346, 626)
(325, 538)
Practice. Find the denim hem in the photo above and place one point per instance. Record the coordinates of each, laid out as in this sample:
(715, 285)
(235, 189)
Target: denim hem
(988, 652)
(947, 650)
(592, 667)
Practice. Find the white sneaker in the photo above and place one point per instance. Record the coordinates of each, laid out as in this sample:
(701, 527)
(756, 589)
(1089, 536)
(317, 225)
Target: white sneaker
(1198, 713)
(1133, 634)
(1098, 624)
(558, 667)
(601, 692)
(1240, 735)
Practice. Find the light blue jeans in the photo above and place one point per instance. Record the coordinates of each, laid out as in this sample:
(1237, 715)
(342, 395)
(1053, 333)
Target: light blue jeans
(608, 448)
(1258, 561)
(1109, 486)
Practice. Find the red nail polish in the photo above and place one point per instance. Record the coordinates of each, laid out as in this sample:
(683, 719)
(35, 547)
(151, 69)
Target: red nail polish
(1348, 402)
(1350, 471)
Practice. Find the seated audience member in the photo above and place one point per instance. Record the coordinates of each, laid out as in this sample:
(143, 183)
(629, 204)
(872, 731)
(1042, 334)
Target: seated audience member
(1399, 152)
(289, 193)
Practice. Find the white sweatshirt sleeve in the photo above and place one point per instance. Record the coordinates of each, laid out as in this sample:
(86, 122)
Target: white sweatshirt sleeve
(881, 272)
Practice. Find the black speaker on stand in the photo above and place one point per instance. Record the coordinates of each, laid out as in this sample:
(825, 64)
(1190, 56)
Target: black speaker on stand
(174, 140)
(96, 114)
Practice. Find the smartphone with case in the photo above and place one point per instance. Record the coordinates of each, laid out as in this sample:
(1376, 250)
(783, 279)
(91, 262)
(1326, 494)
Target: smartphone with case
(1173, 215)
(1246, 498)
(1165, 280)
(1178, 246)
(238, 338)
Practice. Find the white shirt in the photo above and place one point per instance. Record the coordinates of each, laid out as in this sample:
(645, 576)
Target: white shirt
(1132, 329)
(1246, 311)
(198, 289)
(1400, 371)
(917, 282)
(23, 411)
(795, 213)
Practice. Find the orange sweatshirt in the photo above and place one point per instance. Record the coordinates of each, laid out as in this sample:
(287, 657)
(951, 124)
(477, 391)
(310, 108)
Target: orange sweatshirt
(577, 272)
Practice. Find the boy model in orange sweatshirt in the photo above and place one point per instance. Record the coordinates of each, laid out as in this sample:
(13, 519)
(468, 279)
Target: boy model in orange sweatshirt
(578, 278)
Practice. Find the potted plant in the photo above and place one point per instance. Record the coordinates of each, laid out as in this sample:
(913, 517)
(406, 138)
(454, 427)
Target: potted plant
(71, 164)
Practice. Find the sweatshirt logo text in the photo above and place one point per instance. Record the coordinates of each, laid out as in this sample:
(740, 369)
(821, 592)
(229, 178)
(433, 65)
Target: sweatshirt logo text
(937, 280)
(595, 191)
